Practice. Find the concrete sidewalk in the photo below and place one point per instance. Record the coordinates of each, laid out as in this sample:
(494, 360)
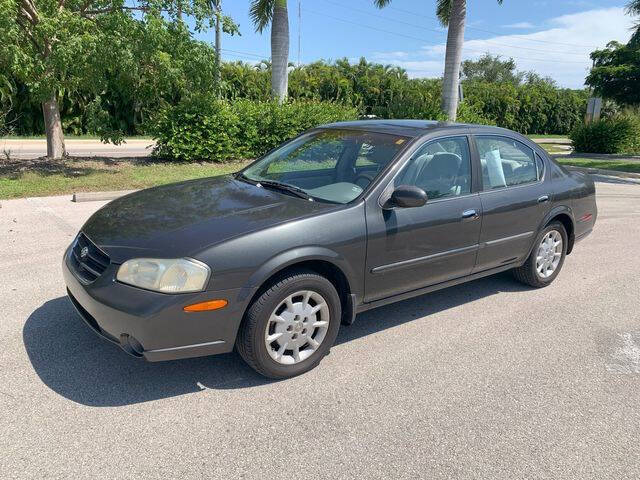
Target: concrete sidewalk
(132, 147)
(34, 148)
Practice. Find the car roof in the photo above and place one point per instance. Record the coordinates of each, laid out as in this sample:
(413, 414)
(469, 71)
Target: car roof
(412, 128)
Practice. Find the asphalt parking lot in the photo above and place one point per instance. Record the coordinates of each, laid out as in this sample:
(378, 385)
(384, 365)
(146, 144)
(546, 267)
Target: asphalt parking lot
(484, 380)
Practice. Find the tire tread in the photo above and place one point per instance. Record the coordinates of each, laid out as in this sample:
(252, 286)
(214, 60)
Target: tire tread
(245, 339)
(526, 272)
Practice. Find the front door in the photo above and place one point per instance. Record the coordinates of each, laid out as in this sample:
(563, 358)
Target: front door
(515, 199)
(410, 248)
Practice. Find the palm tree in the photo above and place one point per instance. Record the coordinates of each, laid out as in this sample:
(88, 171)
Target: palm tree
(216, 8)
(453, 14)
(633, 8)
(274, 12)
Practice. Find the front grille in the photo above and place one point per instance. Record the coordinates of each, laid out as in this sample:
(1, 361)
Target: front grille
(92, 263)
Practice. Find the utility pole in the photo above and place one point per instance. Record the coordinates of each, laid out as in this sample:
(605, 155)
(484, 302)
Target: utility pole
(594, 104)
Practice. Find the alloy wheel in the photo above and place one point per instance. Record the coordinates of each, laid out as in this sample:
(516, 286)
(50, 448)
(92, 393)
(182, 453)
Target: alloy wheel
(297, 327)
(549, 254)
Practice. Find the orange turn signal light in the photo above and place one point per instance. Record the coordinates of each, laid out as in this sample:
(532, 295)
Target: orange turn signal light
(206, 306)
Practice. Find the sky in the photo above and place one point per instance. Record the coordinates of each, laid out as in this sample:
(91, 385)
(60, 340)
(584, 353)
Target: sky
(551, 37)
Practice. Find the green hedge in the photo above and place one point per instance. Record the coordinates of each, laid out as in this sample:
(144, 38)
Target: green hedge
(538, 108)
(205, 128)
(615, 135)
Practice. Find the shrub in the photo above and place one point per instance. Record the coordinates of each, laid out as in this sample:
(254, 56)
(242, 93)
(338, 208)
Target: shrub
(469, 113)
(205, 128)
(613, 135)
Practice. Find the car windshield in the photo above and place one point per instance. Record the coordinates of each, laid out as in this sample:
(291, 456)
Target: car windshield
(330, 165)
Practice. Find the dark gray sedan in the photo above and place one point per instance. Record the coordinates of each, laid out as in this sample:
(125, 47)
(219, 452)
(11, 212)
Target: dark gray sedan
(341, 219)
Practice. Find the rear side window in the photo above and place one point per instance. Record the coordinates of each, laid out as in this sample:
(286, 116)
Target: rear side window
(442, 168)
(540, 166)
(505, 162)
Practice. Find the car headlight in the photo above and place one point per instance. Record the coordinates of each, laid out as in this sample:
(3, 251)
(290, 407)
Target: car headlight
(180, 275)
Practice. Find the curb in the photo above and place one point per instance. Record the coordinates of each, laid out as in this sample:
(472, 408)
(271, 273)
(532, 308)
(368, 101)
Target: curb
(99, 196)
(599, 171)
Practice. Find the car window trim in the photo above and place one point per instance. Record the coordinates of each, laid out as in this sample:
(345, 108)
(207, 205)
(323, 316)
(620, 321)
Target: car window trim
(507, 187)
(544, 165)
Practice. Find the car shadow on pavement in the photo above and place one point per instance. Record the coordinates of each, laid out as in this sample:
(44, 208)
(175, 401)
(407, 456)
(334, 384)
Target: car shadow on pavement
(75, 363)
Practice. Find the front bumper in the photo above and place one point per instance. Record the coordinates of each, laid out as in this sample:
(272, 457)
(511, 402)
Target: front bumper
(154, 325)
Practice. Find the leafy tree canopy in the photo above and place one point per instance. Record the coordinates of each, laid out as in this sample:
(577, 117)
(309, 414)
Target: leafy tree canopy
(490, 68)
(77, 48)
(616, 73)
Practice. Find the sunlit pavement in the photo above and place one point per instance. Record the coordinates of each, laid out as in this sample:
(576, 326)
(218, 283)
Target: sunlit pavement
(27, 148)
(131, 147)
(484, 380)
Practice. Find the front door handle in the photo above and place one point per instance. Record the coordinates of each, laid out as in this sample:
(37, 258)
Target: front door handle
(543, 199)
(469, 215)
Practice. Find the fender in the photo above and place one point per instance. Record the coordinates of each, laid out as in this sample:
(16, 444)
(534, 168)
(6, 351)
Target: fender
(557, 210)
(296, 255)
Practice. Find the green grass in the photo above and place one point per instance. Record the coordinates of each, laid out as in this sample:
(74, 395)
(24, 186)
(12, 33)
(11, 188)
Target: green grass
(39, 178)
(618, 165)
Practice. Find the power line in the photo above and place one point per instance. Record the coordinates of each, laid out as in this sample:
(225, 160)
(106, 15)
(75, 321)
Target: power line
(440, 32)
(246, 54)
(427, 41)
(409, 12)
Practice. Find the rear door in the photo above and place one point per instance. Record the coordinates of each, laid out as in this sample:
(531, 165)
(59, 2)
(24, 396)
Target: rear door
(410, 248)
(515, 198)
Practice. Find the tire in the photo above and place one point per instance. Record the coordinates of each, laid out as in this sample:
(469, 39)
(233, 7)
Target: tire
(529, 273)
(291, 324)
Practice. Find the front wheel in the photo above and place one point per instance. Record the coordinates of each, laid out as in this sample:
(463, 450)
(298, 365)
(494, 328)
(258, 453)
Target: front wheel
(291, 326)
(546, 258)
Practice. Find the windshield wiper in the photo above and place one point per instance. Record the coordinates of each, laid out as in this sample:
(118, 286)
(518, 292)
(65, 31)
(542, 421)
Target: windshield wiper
(244, 178)
(285, 187)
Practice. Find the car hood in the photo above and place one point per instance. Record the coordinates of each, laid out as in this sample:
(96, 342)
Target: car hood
(182, 219)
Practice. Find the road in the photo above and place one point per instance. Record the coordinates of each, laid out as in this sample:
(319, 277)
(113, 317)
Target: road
(488, 380)
(27, 148)
(132, 147)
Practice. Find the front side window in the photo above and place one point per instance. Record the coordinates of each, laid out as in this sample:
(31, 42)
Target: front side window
(328, 165)
(505, 162)
(442, 168)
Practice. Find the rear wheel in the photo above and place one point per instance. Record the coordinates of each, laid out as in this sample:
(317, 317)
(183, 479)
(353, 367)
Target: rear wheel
(546, 258)
(291, 326)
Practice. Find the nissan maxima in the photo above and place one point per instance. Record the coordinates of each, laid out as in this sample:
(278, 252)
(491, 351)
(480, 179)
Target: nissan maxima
(346, 217)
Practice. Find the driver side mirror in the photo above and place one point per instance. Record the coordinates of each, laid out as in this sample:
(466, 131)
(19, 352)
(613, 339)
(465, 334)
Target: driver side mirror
(408, 196)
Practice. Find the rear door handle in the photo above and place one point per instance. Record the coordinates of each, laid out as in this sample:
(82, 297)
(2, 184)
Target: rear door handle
(543, 199)
(469, 215)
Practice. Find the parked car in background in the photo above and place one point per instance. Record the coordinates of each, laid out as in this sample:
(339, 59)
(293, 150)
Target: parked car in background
(344, 218)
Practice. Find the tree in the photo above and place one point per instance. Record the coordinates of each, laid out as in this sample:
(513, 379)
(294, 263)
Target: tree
(633, 8)
(61, 47)
(452, 14)
(616, 72)
(493, 69)
(159, 63)
(489, 68)
(223, 23)
(616, 69)
(274, 12)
